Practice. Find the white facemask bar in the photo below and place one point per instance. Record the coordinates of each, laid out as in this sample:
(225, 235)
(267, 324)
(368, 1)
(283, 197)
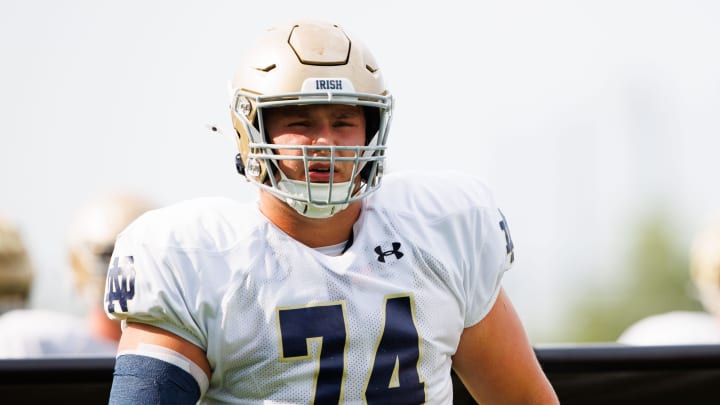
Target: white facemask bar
(361, 156)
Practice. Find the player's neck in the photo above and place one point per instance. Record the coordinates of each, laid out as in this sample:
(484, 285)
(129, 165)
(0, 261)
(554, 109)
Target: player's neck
(310, 231)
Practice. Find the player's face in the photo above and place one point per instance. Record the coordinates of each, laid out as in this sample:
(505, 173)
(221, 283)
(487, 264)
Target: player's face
(316, 125)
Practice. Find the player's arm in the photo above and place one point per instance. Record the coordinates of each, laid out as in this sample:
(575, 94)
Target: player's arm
(496, 362)
(154, 366)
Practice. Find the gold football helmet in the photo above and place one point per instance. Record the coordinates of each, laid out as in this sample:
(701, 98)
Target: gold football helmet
(16, 273)
(91, 238)
(309, 63)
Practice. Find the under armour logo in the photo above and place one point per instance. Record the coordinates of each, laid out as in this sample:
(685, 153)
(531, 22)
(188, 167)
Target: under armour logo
(120, 283)
(384, 253)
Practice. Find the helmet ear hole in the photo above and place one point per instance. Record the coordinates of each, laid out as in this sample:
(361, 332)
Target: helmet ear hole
(239, 166)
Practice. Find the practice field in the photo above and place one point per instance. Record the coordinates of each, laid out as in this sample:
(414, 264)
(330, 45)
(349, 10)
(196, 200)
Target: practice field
(581, 374)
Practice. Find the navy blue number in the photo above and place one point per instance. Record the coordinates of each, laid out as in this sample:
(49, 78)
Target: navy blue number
(394, 378)
(326, 323)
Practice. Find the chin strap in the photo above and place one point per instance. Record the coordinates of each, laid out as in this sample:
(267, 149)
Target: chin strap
(319, 192)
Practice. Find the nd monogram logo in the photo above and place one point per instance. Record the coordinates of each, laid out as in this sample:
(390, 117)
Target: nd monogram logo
(120, 283)
(509, 247)
(384, 253)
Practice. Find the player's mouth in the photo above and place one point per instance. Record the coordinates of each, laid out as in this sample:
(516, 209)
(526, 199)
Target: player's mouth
(322, 174)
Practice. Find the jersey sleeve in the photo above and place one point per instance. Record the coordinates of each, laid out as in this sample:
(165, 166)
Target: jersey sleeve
(480, 246)
(461, 226)
(490, 254)
(153, 282)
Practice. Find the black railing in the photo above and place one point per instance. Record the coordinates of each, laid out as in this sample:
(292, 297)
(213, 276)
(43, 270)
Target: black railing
(581, 374)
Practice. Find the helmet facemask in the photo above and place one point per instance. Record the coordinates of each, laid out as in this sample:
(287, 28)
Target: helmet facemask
(261, 165)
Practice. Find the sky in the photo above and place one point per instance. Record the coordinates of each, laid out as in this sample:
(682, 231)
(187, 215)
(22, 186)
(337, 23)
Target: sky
(582, 116)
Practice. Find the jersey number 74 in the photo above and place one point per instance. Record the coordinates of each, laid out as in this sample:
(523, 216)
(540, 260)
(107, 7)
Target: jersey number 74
(393, 378)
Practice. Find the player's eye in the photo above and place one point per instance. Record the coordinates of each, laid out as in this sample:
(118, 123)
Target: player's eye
(300, 123)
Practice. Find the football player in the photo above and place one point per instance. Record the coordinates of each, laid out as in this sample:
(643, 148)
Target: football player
(329, 288)
(91, 239)
(40, 332)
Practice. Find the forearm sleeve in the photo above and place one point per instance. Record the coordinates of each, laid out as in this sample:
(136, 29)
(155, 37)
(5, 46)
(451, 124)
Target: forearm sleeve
(143, 380)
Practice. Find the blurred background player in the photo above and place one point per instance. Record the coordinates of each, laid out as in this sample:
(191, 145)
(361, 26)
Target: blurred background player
(688, 327)
(47, 333)
(91, 239)
(16, 273)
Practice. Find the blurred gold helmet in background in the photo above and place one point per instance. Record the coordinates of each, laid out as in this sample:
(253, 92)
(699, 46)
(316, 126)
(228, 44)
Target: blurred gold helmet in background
(91, 238)
(16, 273)
(705, 266)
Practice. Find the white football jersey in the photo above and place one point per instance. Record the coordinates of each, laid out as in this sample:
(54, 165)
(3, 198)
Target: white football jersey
(282, 323)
